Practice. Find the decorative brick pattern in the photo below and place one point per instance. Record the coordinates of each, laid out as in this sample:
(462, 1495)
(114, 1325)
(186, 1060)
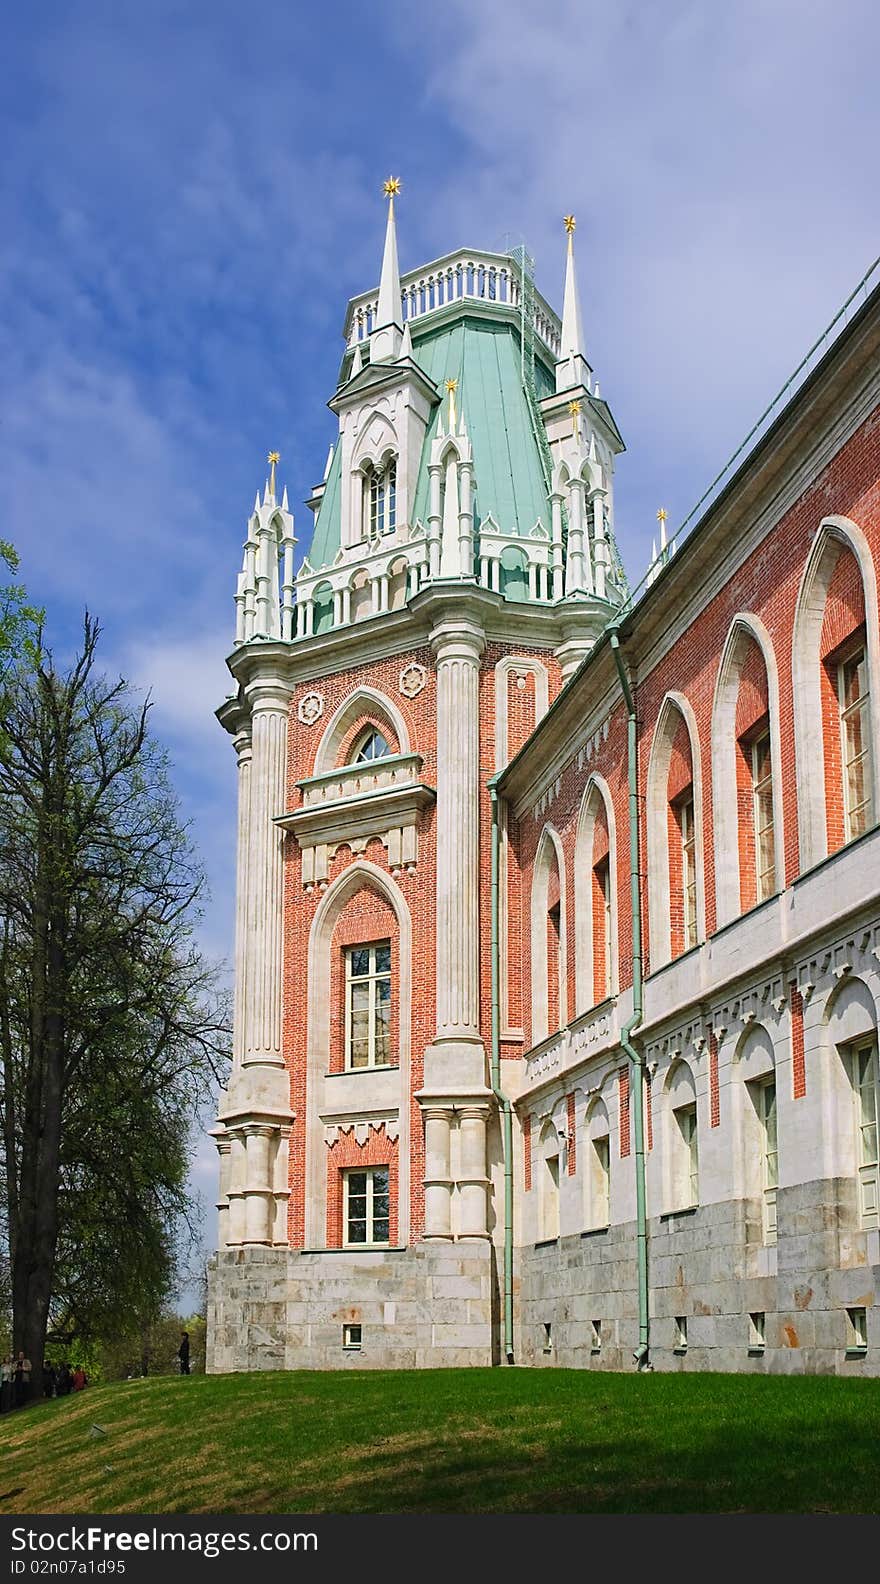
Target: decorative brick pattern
(714, 1096)
(798, 1069)
(527, 1153)
(346, 1155)
(572, 1135)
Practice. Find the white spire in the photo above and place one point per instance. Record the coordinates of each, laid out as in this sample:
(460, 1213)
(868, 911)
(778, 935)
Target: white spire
(572, 367)
(388, 331)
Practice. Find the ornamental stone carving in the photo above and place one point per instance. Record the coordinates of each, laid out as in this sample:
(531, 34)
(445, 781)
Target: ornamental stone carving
(310, 708)
(412, 679)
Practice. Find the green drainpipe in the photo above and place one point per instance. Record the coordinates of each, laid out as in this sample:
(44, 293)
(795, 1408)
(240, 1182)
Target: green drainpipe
(637, 1099)
(503, 1102)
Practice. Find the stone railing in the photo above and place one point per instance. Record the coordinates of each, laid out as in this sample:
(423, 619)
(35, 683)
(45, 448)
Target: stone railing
(490, 277)
(594, 1031)
(359, 780)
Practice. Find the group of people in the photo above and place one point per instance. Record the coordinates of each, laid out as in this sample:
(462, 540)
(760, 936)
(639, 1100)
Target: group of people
(16, 1381)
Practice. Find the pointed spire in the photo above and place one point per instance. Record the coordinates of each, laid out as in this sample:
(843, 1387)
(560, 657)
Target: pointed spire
(572, 367)
(388, 331)
(661, 518)
(285, 504)
(406, 346)
(357, 362)
(257, 504)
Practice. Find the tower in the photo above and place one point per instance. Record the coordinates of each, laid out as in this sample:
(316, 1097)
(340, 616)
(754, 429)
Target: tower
(462, 563)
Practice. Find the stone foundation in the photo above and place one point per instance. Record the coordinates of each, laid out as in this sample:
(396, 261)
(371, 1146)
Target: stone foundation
(710, 1266)
(418, 1308)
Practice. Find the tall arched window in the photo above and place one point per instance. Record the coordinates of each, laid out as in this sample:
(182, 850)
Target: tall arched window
(548, 928)
(380, 497)
(684, 1149)
(746, 782)
(548, 1183)
(835, 661)
(757, 1070)
(597, 1173)
(595, 897)
(675, 837)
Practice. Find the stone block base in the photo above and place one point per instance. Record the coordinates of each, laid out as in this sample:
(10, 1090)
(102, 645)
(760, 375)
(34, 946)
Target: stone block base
(428, 1306)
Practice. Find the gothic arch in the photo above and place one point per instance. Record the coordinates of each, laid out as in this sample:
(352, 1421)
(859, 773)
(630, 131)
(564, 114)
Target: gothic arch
(744, 628)
(596, 791)
(358, 876)
(548, 847)
(372, 447)
(834, 534)
(675, 707)
(364, 701)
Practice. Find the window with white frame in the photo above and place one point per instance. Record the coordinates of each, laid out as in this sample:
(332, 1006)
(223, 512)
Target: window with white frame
(368, 1005)
(762, 808)
(765, 1104)
(602, 958)
(688, 1173)
(852, 692)
(369, 746)
(366, 1206)
(684, 812)
(549, 1193)
(866, 1085)
(380, 499)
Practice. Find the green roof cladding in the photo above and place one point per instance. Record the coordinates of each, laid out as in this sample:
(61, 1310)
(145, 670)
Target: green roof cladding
(484, 356)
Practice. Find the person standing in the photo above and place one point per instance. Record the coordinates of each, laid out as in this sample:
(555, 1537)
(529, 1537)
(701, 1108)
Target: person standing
(7, 1384)
(22, 1379)
(183, 1353)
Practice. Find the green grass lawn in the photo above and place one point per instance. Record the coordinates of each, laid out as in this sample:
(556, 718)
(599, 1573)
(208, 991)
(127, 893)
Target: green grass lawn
(516, 1440)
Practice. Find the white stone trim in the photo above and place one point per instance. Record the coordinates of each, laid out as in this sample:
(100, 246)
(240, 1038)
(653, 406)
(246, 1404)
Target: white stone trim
(549, 840)
(359, 875)
(596, 787)
(362, 701)
(660, 940)
(833, 534)
(725, 815)
(519, 665)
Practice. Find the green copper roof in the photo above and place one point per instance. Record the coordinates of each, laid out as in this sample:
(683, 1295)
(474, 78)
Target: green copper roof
(508, 478)
(484, 357)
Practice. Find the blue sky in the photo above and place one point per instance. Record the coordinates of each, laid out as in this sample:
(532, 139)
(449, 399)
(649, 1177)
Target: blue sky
(190, 192)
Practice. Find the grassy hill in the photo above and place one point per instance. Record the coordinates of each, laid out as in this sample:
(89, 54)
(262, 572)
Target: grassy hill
(510, 1440)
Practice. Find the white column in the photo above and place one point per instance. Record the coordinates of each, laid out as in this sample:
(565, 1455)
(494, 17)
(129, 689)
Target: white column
(556, 547)
(457, 647)
(600, 544)
(472, 1180)
(224, 1150)
(245, 755)
(465, 522)
(434, 520)
(438, 1184)
(236, 1221)
(265, 874)
(259, 1188)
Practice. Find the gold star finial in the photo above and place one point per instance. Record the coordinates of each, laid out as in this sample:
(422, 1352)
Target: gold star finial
(662, 514)
(392, 187)
(574, 408)
(272, 458)
(570, 223)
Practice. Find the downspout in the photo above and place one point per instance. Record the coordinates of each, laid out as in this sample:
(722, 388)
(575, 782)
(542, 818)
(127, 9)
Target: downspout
(636, 1057)
(495, 1070)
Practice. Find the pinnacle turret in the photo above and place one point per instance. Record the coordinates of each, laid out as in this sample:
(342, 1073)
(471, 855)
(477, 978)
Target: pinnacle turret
(572, 368)
(388, 332)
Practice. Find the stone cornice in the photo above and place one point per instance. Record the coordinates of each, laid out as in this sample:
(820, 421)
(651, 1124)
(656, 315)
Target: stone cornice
(371, 813)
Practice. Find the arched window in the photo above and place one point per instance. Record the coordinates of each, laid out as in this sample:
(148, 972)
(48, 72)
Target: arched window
(745, 772)
(548, 926)
(548, 1192)
(370, 745)
(597, 1175)
(675, 839)
(835, 659)
(595, 897)
(361, 596)
(398, 577)
(380, 498)
(866, 1088)
(684, 1153)
(757, 1070)
(514, 574)
(855, 1085)
(322, 601)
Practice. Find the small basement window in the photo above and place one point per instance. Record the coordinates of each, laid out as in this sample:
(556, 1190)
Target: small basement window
(681, 1334)
(596, 1336)
(856, 1331)
(548, 1337)
(757, 1332)
(351, 1337)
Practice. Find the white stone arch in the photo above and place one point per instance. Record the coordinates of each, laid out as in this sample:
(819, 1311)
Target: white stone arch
(675, 706)
(519, 665)
(376, 443)
(850, 1012)
(679, 1091)
(596, 790)
(549, 843)
(596, 1126)
(754, 1062)
(363, 701)
(358, 876)
(560, 480)
(549, 1149)
(725, 815)
(834, 534)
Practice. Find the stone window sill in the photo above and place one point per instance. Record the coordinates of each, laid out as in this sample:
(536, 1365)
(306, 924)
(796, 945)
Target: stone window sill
(591, 1232)
(547, 1243)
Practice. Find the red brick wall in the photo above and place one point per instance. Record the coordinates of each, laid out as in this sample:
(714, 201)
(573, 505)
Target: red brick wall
(346, 1154)
(601, 987)
(623, 1098)
(572, 1136)
(798, 1068)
